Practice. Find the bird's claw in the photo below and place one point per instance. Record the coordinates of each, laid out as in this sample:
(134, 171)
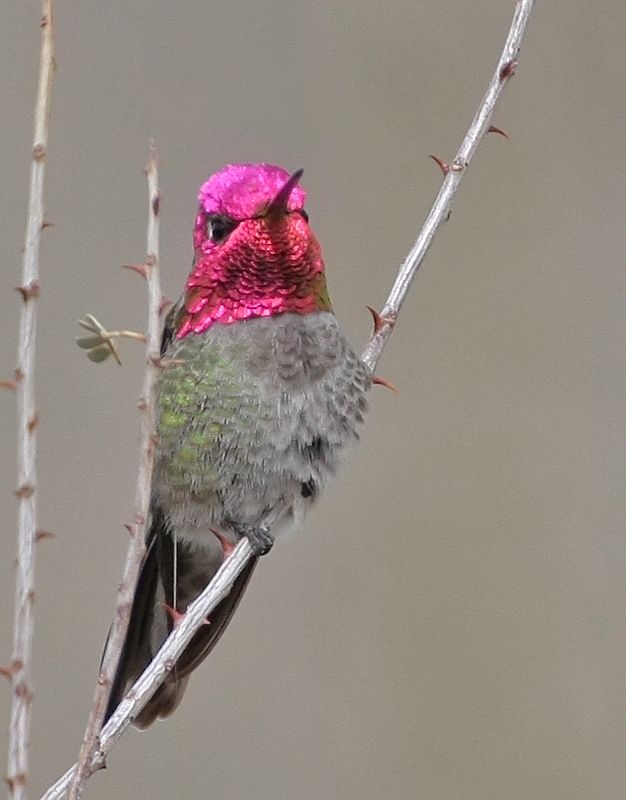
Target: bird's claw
(261, 540)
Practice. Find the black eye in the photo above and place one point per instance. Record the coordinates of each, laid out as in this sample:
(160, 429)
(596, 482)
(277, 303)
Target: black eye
(218, 229)
(304, 214)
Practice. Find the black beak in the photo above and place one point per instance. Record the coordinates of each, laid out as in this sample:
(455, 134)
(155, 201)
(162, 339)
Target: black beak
(278, 205)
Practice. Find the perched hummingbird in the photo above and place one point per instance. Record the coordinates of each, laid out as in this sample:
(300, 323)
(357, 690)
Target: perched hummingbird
(261, 397)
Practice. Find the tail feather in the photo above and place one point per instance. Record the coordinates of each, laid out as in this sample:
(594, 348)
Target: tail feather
(150, 623)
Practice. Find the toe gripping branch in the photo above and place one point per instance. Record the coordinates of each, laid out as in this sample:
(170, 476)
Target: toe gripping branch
(260, 538)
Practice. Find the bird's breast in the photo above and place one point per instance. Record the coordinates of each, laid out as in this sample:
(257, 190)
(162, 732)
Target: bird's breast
(253, 414)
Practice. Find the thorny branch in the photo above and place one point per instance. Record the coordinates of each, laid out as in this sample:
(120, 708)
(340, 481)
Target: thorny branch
(24, 384)
(136, 546)
(197, 612)
(453, 173)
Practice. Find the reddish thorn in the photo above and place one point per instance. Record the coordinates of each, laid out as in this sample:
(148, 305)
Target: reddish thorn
(25, 491)
(28, 292)
(493, 129)
(177, 616)
(39, 152)
(33, 422)
(443, 165)
(47, 224)
(18, 376)
(379, 322)
(130, 528)
(140, 269)
(6, 672)
(508, 69)
(227, 546)
(39, 534)
(165, 303)
(142, 404)
(156, 204)
(382, 382)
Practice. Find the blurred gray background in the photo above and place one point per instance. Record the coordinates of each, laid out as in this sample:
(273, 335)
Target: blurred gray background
(451, 622)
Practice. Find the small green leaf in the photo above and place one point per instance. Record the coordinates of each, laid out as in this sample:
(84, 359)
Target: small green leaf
(100, 353)
(87, 342)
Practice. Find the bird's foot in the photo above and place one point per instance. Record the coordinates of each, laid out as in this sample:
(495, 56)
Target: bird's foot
(261, 540)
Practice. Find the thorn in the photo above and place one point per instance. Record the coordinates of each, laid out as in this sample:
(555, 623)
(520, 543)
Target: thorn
(6, 672)
(28, 292)
(142, 404)
(151, 260)
(227, 546)
(33, 422)
(25, 491)
(177, 616)
(377, 381)
(379, 322)
(39, 152)
(444, 166)
(130, 528)
(140, 269)
(39, 535)
(493, 129)
(508, 70)
(165, 303)
(156, 204)
(18, 376)
(47, 224)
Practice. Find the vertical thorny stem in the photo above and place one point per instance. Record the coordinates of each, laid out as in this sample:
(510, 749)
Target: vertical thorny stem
(20, 667)
(89, 757)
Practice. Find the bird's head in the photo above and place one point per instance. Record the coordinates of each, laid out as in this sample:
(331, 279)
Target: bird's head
(254, 252)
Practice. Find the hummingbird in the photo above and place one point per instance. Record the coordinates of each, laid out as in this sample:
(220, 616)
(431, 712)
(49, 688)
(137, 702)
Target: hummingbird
(259, 398)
